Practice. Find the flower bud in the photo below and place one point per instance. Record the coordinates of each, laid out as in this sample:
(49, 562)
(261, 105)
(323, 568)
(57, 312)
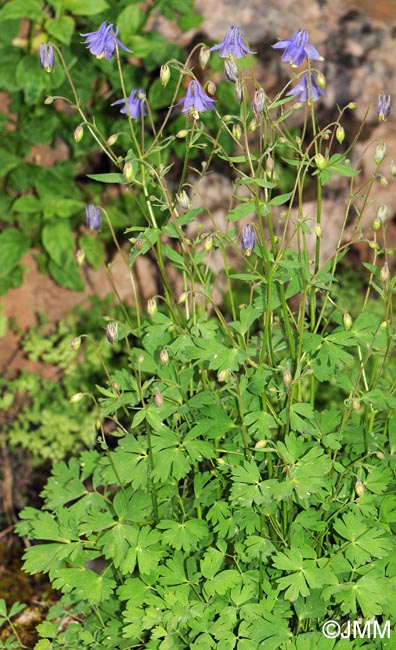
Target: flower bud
(223, 375)
(183, 297)
(204, 55)
(231, 70)
(128, 171)
(211, 88)
(208, 244)
(260, 444)
(76, 343)
(287, 376)
(138, 244)
(352, 106)
(238, 91)
(140, 358)
(359, 488)
(320, 161)
(158, 399)
(355, 404)
(183, 200)
(385, 274)
(248, 240)
(380, 152)
(258, 101)
(49, 100)
(318, 230)
(384, 181)
(112, 139)
(112, 332)
(164, 357)
(382, 212)
(269, 163)
(47, 57)
(321, 80)
(340, 134)
(373, 245)
(78, 133)
(182, 133)
(384, 106)
(80, 257)
(76, 398)
(347, 320)
(165, 74)
(152, 307)
(237, 131)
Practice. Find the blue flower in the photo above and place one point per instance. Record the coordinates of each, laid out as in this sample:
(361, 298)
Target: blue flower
(297, 48)
(134, 106)
(248, 240)
(102, 43)
(196, 100)
(233, 44)
(384, 106)
(307, 89)
(92, 214)
(47, 58)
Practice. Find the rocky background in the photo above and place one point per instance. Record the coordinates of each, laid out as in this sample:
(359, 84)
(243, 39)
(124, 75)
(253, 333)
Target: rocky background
(357, 39)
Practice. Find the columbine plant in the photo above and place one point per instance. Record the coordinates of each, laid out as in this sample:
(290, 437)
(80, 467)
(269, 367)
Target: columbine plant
(241, 491)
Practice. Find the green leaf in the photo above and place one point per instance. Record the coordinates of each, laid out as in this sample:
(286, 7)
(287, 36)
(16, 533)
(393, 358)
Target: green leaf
(58, 242)
(364, 543)
(30, 77)
(186, 535)
(242, 210)
(8, 161)
(93, 250)
(222, 582)
(15, 9)
(61, 28)
(85, 7)
(211, 563)
(13, 246)
(111, 177)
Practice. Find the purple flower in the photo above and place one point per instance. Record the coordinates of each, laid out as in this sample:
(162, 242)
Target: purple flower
(248, 240)
(196, 100)
(134, 106)
(47, 58)
(297, 48)
(233, 44)
(92, 214)
(102, 43)
(384, 106)
(307, 89)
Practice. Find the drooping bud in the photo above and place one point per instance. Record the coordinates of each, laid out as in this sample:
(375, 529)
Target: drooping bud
(78, 133)
(211, 88)
(159, 400)
(231, 70)
(384, 181)
(382, 212)
(237, 131)
(347, 320)
(165, 74)
(318, 230)
(112, 139)
(47, 57)
(384, 106)
(208, 244)
(204, 54)
(152, 307)
(183, 200)
(93, 219)
(80, 256)
(248, 240)
(127, 171)
(287, 376)
(380, 152)
(76, 398)
(320, 161)
(321, 80)
(223, 375)
(260, 444)
(76, 343)
(340, 134)
(359, 488)
(385, 274)
(164, 357)
(112, 332)
(258, 101)
(238, 91)
(182, 133)
(49, 100)
(355, 404)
